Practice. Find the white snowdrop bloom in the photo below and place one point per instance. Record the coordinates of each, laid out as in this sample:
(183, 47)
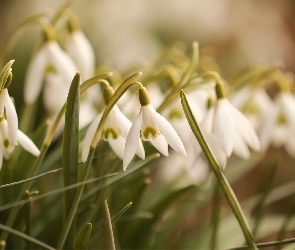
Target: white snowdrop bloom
(231, 128)
(114, 131)
(206, 127)
(279, 126)
(255, 104)
(11, 115)
(6, 147)
(80, 50)
(53, 60)
(154, 128)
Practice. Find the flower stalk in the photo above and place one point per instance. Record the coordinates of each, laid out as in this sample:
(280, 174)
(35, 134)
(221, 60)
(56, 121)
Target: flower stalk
(224, 185)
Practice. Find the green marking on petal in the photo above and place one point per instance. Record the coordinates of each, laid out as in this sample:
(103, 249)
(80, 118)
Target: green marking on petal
(50, 69)
(175, 114)
(281, 119)
(109, 131)
(6, 143)
(147, 131)
(250, 108)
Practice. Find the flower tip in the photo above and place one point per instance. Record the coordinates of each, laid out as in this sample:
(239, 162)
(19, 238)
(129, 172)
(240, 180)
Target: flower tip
(195, 44)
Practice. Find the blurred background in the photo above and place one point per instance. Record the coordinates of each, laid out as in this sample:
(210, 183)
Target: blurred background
(125, 32)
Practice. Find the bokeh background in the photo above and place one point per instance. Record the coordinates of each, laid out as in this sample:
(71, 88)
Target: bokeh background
(131, 31)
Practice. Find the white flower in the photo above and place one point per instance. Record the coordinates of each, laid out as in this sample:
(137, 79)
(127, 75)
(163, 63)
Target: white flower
(11, 115)
(49, 59)
(81, 51)
(233, 131)
(6, 147)
(115, 131)
(279, 125)
(154, 128)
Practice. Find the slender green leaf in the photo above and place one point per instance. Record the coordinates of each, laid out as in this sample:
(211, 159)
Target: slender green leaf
(83, 236)
(225, 186)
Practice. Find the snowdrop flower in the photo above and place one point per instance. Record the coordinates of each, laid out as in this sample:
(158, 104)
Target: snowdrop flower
(80, 50)
(115, 131)
(11, 115)
(254, 103)
(7, 146)
(56, 67)
(231, 128)
(279, 125)
(154, 128)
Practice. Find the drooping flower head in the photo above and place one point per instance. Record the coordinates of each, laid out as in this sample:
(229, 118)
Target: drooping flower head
(115, 130)
(231, 128)
(10, 136)
(153, 127)
(56, 67)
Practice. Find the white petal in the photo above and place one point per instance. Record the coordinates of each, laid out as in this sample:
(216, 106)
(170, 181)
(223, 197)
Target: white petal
(55, 93)
(62, 63)
(216, 150)
(35, 74)
(27, 143)
(132, 143)
(80, 49)
(118, 146)
(1, 150)
(169, 133)
(240, 147)
(267, 129)
(123, 122)
(12, 120)
(160, 144)
(224, 126)
(140, 151)
(207, 122)
(244, 127)
(88, 138)
(3, 97)
(125, 125)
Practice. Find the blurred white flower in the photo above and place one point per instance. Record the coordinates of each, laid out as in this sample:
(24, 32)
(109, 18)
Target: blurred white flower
(154, 128)
(279, 125)
(11, 115)
(114, 131)
(53, 62)
(254, 103)
(7, 147)
(230, 127)
(80, 50)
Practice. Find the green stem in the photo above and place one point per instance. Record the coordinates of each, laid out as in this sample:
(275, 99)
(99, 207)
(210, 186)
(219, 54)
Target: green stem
(268, 244)
(26, 237)
(31, 179)
(225, 186)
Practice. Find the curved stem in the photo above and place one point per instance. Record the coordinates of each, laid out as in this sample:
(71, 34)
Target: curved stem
(225, 186)
(268, 244)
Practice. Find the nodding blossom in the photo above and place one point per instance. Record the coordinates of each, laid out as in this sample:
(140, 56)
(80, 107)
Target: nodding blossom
(10, 135)
(230, 127)
(115, 131)
(57, 68)
(154, 128)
